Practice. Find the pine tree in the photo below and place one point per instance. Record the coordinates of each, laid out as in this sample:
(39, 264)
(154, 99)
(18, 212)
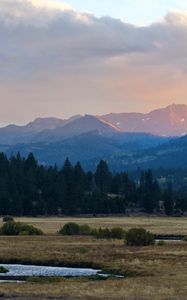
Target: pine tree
(168, 200)
(103, 177)
(26, 188)
(68, 173)
(148, 192)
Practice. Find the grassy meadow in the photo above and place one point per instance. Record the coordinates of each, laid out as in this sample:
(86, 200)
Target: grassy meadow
(154, 272)
(157, 225)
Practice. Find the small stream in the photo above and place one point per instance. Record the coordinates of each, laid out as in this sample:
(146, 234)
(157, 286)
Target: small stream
(20, 271)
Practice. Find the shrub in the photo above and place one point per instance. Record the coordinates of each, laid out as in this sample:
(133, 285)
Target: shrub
(10, 228)
(75, 229)
(26, 229)
(139, 237)
(18, 228)
(105, 233)
(185, 239)
(23, 233)
(3, 270)
(70, 229)
(101, 233)
(117, 233)
(84, 230)
(8, 219)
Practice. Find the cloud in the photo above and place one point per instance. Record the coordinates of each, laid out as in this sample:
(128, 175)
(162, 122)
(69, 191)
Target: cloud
(47, 4)
(55, 36)
(176, 18)
(51, 55)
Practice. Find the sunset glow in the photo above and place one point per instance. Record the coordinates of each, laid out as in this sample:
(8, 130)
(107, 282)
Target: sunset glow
(59, 59)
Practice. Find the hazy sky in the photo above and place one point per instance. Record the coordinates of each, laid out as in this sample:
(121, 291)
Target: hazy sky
(96, 56)
(133, 11)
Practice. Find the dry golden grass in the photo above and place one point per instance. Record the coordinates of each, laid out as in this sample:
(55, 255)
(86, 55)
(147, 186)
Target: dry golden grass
(151, 273)
(161, 225)
(156, 272)
(81, 289)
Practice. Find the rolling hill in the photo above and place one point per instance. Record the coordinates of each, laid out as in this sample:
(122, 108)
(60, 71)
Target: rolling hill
(87, 147)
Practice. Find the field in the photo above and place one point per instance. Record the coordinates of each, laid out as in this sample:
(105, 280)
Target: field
(155, 272)
(157, 225)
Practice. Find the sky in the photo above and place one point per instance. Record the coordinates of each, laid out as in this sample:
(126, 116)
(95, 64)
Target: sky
(132, 11)
(90, 57)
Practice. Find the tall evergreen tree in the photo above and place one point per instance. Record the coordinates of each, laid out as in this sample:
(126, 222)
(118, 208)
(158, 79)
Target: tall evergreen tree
(26, 188)
(69, 201)
(103, 177)
(168, 200)
(149, 192)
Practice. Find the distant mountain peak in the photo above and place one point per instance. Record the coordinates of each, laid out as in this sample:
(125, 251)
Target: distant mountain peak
(174, 106)
(168, 121)
(114, 127)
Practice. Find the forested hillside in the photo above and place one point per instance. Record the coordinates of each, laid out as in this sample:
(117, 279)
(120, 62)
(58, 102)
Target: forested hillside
(27, 188)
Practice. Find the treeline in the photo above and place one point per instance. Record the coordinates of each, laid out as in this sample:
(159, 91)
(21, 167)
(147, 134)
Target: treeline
(28, 188)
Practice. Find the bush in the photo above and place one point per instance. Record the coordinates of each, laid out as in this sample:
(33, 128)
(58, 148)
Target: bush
(70, 229)
(118, 233)
(101, 233)
(8, 219)
(75, 229)
(18, 228)
(3, 270)
(105, 233)
(139, 237)
(10, 228)
(84, 230)
(26, 229)
(185, 239)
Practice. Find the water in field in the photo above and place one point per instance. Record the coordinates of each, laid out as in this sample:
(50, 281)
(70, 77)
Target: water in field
(28, 271)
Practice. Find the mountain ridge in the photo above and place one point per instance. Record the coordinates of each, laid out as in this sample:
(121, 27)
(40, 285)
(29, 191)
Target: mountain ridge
(129, 152)
(90, 138)
(168, 121)
(87, 148)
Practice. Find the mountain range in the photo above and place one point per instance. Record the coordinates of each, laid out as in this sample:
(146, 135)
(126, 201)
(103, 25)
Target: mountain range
(125, 140)
(169, 121)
